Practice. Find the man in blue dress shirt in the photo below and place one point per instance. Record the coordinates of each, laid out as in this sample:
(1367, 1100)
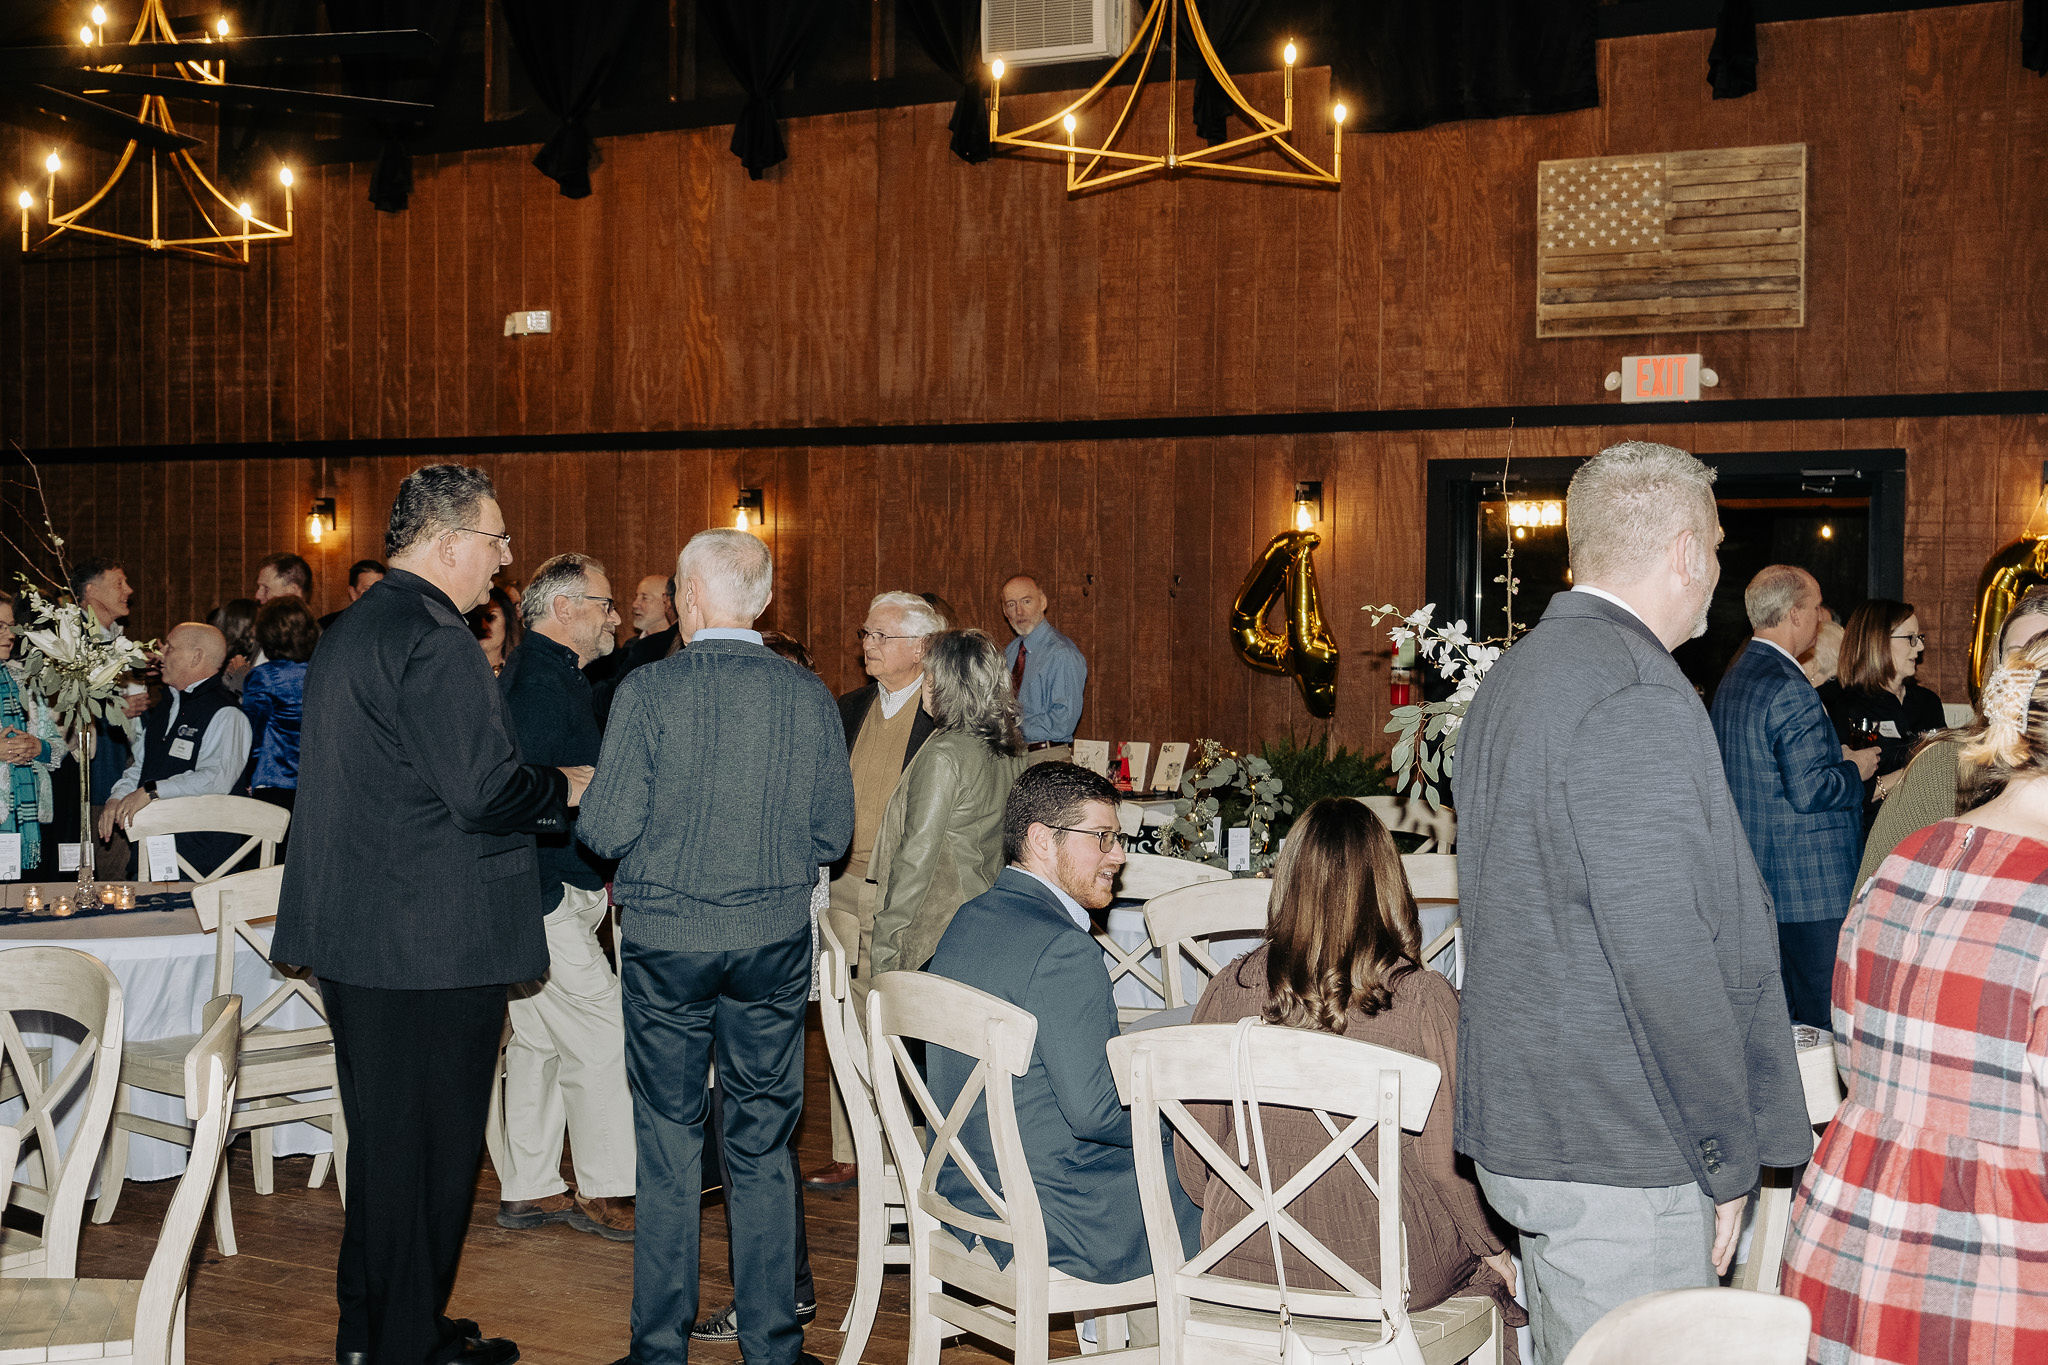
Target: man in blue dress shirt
(1798, 792)
(1047, 672)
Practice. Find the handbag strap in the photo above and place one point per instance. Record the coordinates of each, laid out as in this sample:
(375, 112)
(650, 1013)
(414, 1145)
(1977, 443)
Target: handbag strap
(1245, 1112)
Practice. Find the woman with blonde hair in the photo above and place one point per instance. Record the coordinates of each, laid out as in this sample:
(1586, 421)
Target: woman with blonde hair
(1342, 954)
(941, 840)
(1922, 1223)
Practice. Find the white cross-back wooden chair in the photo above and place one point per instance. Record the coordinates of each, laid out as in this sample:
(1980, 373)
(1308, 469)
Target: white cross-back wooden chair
(1438, 825)
(10, 1156)
(880, 1190)
(1143, 877)
(1699, 1327)
(1206, 1318)
(1772, 1221)
(1433, 880)
(139, 1321)
(275, 1063)
(1183, 925)
(262, 825)
(1009, 1305)
(79, 989)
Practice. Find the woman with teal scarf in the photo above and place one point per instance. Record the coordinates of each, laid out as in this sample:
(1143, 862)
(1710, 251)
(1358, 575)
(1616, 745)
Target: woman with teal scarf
(30, 746)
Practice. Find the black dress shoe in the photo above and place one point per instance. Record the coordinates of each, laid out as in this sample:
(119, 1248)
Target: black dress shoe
(460, 1329)
(487, 1351)
(351, 1358)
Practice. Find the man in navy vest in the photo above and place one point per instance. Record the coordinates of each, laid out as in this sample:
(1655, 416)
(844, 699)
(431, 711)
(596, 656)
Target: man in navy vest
(195, 742)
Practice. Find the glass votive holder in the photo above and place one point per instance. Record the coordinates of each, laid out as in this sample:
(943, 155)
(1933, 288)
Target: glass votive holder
(32, 901)
(110, 894)
(127, 899)
(62, 910)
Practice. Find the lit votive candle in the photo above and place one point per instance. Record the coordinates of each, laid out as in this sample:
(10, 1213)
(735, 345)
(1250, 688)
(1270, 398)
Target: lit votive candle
(32, 901)
(127, 901)
(109, 895)
(63, 907)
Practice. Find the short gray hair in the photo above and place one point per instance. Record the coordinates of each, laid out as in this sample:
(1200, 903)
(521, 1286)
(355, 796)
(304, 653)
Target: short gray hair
(918, 616)
(566, 575)
(734, 566)
(1626, 504)
(434, 500)
(1774, 591)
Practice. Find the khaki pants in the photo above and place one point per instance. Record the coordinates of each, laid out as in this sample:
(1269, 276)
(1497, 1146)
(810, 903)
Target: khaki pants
(1058, 753)
(565, 1066)
(854, 895)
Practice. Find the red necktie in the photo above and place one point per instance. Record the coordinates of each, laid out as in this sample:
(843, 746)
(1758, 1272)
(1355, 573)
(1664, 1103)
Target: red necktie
(1017, 671)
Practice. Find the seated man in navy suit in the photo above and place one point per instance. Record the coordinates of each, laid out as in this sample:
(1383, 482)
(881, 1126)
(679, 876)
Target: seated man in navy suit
(1798, 792)
(1026, 940)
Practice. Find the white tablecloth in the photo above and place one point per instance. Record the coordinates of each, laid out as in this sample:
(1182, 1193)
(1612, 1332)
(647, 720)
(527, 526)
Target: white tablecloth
(166, 978)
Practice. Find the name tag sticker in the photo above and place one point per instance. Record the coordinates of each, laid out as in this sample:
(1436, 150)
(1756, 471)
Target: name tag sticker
(1889, 729)
(10, 857)
(67, 857)
(181, 748)
(163, 857)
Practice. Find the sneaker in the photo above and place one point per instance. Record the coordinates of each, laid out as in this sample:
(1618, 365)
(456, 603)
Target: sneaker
(611, 1218)
(724, 1325)
(522, 1214)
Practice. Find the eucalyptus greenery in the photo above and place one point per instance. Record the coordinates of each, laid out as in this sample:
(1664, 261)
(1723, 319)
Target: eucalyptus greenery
(70, 662)
(1217, 773)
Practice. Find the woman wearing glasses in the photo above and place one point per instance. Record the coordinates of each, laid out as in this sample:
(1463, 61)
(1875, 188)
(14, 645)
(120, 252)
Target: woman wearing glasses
(941, 840)
(1874, 698)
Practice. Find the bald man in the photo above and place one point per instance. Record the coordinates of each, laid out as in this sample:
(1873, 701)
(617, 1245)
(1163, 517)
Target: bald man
(1047, 672)
(195, 742)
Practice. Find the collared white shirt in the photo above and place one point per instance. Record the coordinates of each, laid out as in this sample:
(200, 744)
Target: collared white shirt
(1780, 648)
(892, 702)
(752, 637)
(1067, 903)
(1607, 596)
(223, 753)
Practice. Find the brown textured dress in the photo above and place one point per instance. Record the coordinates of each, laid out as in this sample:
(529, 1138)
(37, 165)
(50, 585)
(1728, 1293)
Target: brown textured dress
(1448, 1229)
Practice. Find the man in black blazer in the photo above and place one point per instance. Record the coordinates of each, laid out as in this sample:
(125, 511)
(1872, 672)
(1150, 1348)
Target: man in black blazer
(411, 894)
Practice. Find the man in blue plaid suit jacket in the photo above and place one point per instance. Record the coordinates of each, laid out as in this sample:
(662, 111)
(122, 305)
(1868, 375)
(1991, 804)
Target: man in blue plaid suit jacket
(1798, 792)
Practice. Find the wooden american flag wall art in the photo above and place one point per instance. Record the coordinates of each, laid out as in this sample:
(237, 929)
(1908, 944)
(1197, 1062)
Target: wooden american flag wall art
(1671, 242)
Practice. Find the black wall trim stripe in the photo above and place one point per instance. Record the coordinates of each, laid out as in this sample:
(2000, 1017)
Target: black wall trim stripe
(1997, 403)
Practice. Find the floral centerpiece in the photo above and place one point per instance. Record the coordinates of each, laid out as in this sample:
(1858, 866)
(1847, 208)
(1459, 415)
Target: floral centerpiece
(1216, 772)
(1425, 751)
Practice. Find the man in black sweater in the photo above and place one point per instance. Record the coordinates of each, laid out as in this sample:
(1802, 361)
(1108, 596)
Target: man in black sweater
(565, 1067)
(411, 895)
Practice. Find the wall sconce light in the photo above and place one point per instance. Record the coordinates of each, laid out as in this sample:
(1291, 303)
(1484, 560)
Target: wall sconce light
(1528, 512)
(1308, 504)
(751, 504)
(320, 520)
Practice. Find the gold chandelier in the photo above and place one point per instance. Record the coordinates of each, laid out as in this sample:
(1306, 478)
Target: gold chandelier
(223, 228)
(1085, 164)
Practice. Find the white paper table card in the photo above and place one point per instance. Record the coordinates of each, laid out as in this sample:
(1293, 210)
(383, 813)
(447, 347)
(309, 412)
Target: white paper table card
(10, 857)
(1139, 757)
(1240, 858)
(163, 857)
(1173, 759)
(67, 857)
(1093, 754)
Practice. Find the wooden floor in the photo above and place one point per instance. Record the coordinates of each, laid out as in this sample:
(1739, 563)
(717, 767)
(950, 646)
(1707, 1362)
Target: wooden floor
(563, 1295)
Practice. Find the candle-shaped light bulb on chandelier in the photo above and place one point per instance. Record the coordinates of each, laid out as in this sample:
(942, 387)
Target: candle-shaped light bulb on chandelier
(1337, 115)
(1288, 54)
(27, 202)
(284, 176)
(995, 93)
(85, 35)
(220, 26)
(243, 209)
(53, 163)
(99, 15)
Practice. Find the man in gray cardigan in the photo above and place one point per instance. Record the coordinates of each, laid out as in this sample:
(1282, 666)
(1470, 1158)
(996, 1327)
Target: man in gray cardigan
(1625, 1060)
(723, 786)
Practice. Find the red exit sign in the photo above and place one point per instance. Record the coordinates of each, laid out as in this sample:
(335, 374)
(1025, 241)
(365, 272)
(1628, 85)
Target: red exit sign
(1660, 378)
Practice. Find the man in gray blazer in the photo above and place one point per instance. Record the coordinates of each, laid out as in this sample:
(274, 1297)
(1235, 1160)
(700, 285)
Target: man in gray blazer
(1625, 1060)
(1026, 940)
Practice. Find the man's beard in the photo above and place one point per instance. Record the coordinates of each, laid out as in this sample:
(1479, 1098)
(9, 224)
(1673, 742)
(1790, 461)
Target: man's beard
(1086, 889)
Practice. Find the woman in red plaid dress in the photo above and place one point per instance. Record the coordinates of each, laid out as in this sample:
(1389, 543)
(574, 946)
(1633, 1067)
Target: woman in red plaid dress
(1920, 1232)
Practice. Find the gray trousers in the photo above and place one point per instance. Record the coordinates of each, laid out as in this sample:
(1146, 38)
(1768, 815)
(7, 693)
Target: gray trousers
(1587, 1249)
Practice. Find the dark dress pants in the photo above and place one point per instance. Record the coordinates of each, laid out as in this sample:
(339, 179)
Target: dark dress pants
(806, 1287)
(414, 1074)
(746, 1007)
(1806, 957)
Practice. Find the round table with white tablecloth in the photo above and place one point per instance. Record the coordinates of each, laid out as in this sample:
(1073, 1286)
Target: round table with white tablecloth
(164, 962)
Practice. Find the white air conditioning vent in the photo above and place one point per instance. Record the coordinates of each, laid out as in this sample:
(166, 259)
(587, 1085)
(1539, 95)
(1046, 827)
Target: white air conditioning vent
(1039, 32)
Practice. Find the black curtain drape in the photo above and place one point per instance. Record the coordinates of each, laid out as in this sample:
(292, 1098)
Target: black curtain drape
(567, 48)
(949, 31)
(1409, 65)
(1731, 64)
(421, 79)
(2034, 36)
(761, 40)
(1225, 22)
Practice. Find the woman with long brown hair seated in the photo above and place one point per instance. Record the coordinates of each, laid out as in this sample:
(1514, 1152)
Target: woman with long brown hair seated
(1342, 954)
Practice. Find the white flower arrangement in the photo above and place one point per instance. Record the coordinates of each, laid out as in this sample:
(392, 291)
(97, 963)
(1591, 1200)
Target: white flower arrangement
(1426, 751)
(72, 664)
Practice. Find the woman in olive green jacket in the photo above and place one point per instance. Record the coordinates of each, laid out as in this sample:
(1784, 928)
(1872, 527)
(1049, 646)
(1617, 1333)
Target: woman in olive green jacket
(941, 840)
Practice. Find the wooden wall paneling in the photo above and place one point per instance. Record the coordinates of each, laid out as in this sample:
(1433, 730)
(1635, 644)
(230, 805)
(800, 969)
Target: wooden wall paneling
(1117, 469)
(638, 300)
(1927, 496)
(542, 274)
(479, 255)
(1117, 221)
(2023, 361)
(1145, 524)
(1077, 281)
(836, 372)
(1232, 544)
(1038, 261)
(1317, 256)
(982, 277)
(1490, 194)
(1192, 688)
(1978, 84)
(904, 273)
(1077, 558)
(582, 267)
(790, 534)
(1926, 168)
(853, 522)
(1829, 126)
(1205, 334)
(1444, 261)
(1404, 292)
